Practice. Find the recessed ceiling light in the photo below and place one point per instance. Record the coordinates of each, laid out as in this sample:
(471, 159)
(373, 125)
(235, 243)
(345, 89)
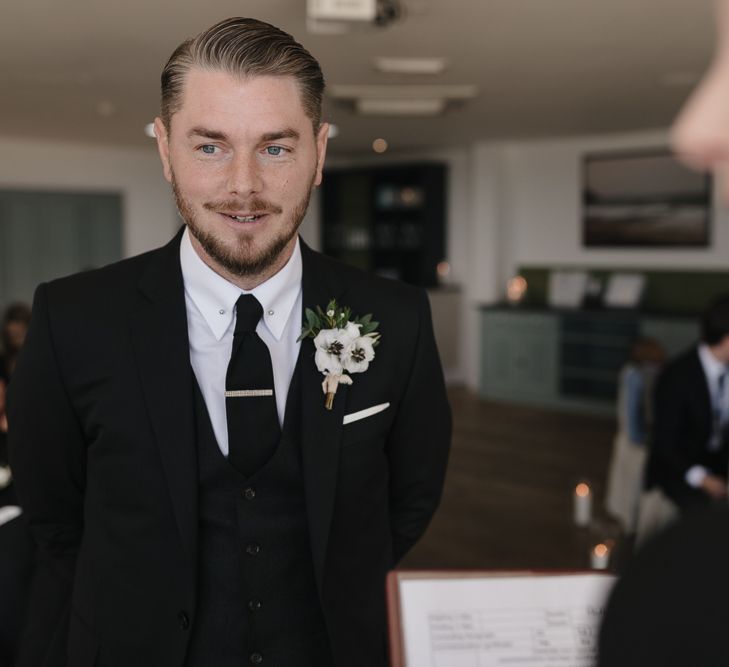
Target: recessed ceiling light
(408, 100)
(680, 79)
(392, 91)
(379, 145)
(149, 131)
(410, 65)
(105, 108)
(404, 107)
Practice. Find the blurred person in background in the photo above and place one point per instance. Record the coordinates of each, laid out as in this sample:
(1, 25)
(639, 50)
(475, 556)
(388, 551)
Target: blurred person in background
(14, 327)
(635, 418)
(689, 451)
(15, 545)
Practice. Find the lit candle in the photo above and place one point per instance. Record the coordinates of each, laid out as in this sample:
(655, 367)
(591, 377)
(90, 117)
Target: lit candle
(600, 556)
(516, 289)
(583, 504)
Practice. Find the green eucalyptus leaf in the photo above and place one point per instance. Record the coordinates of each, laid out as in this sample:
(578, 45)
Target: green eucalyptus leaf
(311, 318)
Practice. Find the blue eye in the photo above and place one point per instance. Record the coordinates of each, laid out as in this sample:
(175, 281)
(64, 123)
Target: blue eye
(274, 150)
(208, 149)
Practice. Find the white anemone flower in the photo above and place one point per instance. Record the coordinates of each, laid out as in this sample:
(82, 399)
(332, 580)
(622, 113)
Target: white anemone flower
(359, 354)
(352, 330)
(331, 349)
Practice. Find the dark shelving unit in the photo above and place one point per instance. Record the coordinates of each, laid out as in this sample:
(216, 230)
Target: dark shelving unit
(387, 220)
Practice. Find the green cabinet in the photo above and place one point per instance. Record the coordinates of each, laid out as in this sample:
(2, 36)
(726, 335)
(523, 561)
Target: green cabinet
(518, 356)
(45, 235)
(567, 359)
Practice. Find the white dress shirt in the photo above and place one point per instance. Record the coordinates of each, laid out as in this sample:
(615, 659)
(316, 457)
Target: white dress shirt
(210, 302)
(713, 369)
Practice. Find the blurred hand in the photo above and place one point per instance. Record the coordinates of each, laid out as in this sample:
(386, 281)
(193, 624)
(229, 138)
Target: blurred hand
(715, 486)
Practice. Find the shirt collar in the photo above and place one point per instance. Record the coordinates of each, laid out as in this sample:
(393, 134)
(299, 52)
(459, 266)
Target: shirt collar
(712, 366)
(215, 297)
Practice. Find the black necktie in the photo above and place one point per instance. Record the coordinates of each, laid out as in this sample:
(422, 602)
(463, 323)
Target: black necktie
(250, 400)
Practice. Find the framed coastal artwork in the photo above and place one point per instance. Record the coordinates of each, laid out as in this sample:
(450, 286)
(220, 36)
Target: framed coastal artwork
(647, 198)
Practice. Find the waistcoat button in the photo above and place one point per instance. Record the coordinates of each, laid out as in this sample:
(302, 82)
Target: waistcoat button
(253, 549)
(256, 658)
(184, 620)
(249, 493)
(254, 605)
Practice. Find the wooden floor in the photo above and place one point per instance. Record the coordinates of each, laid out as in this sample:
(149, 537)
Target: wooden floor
(509, 490)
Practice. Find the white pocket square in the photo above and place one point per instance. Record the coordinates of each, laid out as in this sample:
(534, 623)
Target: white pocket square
(367, 412)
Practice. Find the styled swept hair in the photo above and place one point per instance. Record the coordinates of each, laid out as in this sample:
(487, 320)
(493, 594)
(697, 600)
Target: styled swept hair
(244, 47)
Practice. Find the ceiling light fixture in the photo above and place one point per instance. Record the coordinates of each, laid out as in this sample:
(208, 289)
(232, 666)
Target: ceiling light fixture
(341, 10)
(402, 100)
(417, 66)
(105, 108)
(332, 17)
(402, 107)
(680, 79)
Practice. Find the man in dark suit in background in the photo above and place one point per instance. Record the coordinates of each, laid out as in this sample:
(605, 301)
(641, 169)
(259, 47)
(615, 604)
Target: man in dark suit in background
(197, 506)
(689, 452)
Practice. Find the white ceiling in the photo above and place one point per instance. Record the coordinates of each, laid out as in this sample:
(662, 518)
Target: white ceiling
(542, 67)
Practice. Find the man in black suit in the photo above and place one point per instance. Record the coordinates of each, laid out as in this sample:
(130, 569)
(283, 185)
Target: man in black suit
(689, 451)
(166, 537)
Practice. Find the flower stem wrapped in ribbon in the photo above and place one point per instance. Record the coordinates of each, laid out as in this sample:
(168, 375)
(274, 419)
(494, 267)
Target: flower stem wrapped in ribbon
(344, 345)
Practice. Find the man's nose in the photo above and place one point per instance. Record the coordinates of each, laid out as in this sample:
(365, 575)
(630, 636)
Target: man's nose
(244, 175)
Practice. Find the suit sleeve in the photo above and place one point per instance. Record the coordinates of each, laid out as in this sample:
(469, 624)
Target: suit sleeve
(671, 448)
(47, 455)
(419, 441)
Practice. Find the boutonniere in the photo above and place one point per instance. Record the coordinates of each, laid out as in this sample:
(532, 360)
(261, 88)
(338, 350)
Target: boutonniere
(344, 344)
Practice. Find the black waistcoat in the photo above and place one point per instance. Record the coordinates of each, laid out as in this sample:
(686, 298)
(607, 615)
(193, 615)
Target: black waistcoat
(257, 597)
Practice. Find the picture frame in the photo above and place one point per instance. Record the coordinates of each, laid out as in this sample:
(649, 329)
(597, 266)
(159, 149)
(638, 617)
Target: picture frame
(644, 198)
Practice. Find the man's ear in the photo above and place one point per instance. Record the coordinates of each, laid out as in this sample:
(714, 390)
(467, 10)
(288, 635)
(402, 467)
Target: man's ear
(163, 146)
(321, 150)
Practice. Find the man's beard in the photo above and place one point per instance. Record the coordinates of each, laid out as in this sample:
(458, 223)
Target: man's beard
(243, 259)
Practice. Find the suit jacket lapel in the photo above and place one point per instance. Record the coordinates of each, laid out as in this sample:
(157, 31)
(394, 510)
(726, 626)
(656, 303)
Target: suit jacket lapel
(321, 428)
(160, 341)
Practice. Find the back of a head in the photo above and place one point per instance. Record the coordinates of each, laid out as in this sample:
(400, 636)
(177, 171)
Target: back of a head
(669, 607)
(244, 47)
(16, 315)
(715, 321)
(644, 349)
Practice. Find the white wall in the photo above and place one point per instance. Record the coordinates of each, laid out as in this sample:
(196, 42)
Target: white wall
(545, 226)
(149, 215)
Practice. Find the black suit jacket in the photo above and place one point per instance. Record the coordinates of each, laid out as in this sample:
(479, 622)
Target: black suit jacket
(103, 450)
(682, 428)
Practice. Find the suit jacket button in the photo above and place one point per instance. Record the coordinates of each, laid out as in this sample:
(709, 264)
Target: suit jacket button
(253, 549)
(256, 658)
(184, 620)
(249, 493)
(254, 604)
